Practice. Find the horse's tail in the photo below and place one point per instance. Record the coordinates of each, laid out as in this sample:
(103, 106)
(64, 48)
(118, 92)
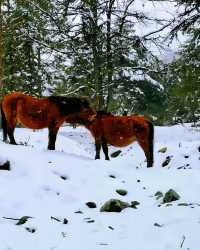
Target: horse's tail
(4, 124)
(151, 144)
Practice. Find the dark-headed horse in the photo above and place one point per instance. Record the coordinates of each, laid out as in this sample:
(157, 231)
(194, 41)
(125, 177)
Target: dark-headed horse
(121, 131)
(48, 112)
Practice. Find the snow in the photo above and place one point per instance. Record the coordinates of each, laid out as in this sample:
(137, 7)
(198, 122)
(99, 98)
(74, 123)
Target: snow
(34, 187)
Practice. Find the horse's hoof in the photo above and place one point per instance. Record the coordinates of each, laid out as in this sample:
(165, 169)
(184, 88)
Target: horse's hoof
(13, 143)
(51, 148)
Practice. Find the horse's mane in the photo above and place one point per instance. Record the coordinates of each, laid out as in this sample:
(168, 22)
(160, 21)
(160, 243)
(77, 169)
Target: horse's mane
(101, 113)
(69, 105)
(58, 99)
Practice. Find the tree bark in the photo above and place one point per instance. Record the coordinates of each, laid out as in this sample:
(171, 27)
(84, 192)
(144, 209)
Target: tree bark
(1, 49)
(109, 54)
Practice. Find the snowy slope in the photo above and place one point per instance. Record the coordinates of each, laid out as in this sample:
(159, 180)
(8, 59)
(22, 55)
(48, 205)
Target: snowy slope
(45, 184)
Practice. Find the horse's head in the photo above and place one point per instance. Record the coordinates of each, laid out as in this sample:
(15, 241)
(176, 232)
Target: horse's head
(75, 109)
(86, 113)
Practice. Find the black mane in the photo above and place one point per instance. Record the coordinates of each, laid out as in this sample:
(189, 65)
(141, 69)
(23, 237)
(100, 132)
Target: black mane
(69, 105)
(100, 113)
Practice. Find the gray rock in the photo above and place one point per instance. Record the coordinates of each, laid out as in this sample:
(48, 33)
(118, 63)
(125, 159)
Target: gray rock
(114, 205)
(158, 195)
(162, 150)
(23, 220)
(166, 161)
(116, 153)
(170, 196)
(91, 204)
(5, 166)
(134, 204)
(122, 192)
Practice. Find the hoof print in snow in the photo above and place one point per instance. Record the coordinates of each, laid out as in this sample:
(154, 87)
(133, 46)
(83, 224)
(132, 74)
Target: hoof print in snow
(186, 166)
(112, 176)
(91, 204)
(162, 150)
(157, 225)
(23, 220)
(114, 205)
(78, 212)
(166, 161)
(5, 166)
(122, 192)
(158, 195)
(56, 219)
(170, 196)
(30, 230)
(134, 204)
(63, 177)
(116, 153)
(90, 221)
(183, 204)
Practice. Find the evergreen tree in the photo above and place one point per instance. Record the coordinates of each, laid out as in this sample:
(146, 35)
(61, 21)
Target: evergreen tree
(184, 81)
(104, 50)
(22, 66)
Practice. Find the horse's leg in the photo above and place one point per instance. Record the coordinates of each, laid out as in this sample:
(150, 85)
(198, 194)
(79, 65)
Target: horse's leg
(4, 125)
(98, 148)
(8, 125)
(53, 130)
(105, 148)
(148, 150)
(144, 132)
(11, 124)
(150, 144)
(11, 135)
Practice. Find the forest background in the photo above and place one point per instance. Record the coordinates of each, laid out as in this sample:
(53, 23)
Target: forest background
(127, 56)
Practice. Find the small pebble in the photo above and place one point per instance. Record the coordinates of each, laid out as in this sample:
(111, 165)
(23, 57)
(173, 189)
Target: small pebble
(91, 204)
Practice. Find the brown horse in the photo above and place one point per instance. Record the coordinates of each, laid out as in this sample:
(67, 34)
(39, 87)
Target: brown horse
(48, 112)
(121, 131)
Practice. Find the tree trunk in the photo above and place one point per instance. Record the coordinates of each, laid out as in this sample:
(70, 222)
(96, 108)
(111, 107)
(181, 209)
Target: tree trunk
(1, 50)
(97, 62)
(109, 64)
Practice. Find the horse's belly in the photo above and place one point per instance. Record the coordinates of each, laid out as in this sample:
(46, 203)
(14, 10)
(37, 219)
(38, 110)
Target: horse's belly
(33, 123)
(120, 141)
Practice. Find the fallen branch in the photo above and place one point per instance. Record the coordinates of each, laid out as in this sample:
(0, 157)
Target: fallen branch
(182, 241)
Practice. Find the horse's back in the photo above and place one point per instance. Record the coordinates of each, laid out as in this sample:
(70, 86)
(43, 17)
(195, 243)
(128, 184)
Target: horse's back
(30, 112)
(123, 130)
(9, 101)
(12, 96)
(16, 97)
(118, 130)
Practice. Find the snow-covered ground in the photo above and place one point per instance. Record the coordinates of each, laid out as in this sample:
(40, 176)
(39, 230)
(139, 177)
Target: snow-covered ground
(50, 186)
